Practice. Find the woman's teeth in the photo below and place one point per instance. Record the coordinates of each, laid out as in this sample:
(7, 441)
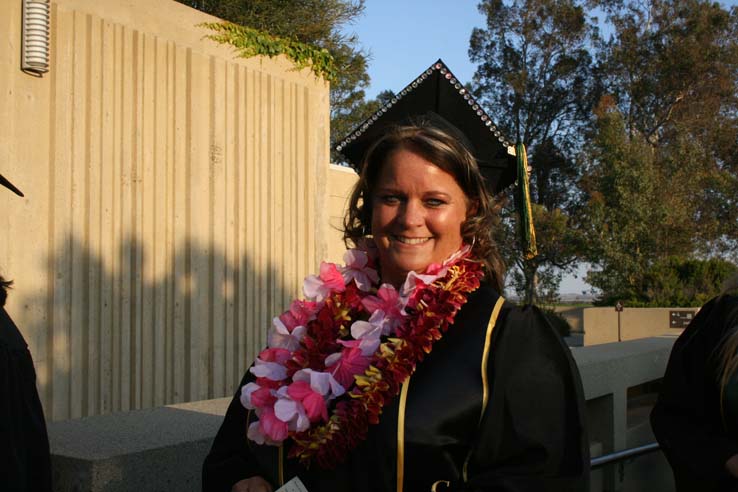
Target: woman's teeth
(411, 240)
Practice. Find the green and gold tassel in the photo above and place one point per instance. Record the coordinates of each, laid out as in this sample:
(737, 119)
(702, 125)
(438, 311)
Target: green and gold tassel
(525, 213)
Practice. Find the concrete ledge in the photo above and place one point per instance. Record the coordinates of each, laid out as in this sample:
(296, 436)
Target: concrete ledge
(162, 449)
(159, 449)
(613, 367)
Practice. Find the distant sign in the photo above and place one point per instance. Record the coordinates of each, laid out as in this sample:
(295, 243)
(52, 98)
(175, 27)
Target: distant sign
(680, 319)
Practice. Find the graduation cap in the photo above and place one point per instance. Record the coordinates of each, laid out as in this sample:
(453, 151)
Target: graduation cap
(9, 185)
(437, 94)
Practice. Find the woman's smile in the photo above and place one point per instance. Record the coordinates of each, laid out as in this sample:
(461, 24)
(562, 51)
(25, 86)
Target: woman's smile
(411, 240)
(417, 213)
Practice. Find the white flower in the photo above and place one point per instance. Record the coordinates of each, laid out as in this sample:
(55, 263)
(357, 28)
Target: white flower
(246, 395)
(281, 337)
(270, 370)
(357, 270)
(321, 382)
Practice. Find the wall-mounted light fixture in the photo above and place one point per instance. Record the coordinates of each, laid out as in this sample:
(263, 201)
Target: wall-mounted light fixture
(35, 42)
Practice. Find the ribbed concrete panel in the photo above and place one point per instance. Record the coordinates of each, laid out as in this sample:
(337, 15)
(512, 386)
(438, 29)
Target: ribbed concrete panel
(175, 199)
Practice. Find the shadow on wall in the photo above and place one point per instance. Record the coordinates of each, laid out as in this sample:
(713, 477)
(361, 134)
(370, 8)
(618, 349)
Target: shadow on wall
(132, 329)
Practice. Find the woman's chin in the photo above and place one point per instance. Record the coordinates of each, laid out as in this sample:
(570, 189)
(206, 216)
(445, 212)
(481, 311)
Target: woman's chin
(404, 265)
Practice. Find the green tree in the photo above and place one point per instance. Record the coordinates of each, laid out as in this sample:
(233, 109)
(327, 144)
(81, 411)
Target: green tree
(631, 218)
(683, 282)
(672, 69)
(662, 179)
(534, 75)
(555, 255)
(315, 22)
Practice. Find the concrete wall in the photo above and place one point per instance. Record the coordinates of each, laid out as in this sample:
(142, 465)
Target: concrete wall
(617, 422)
(341, 181)
(574, 315)
(174, 202)
(601, 323)
(163, 448)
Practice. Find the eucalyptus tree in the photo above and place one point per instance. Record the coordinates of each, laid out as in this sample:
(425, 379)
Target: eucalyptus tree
(534, 74)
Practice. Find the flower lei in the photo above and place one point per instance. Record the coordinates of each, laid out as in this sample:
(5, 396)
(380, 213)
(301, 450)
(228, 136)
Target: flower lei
(333, 361)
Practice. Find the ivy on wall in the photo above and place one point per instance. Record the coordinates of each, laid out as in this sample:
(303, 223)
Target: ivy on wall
(251, 42)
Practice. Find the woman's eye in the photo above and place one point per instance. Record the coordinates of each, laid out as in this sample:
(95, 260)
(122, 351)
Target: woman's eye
(390, 199)
(434, 202)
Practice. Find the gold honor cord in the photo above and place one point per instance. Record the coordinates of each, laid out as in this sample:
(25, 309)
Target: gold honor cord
(525, 212)
(401, 435)
(485, 359)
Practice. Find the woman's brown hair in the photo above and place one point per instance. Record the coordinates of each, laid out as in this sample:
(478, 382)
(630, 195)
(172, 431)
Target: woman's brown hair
(448, 151)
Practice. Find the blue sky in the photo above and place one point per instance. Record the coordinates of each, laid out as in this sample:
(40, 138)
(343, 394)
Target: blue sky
(405, 36)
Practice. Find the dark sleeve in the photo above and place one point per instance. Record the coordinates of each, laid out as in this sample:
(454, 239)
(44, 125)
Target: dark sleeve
(230, 458)
(686, 418)
(532, 434)
(25, 463)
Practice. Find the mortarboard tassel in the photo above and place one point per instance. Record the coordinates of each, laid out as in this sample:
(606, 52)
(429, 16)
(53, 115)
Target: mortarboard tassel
(525, 213)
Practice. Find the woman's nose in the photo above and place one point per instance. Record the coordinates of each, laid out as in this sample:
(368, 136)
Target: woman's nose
(411, 214)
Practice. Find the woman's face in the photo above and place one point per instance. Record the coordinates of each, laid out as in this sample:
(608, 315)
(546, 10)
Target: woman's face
(417, 213)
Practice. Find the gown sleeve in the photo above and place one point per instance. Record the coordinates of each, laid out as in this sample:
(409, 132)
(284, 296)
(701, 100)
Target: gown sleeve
(25, 463)
(532, 435)
(230, 459)
(686, 419)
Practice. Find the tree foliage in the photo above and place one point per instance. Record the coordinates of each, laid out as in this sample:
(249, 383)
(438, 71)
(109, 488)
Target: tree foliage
(315, 22)
(534, 74)
(662, 179)
(539, 278)
(677, 281)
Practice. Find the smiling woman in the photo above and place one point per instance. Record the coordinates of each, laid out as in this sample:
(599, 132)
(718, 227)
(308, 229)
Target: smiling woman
(421, 184)
(417, 212)
(405, 369)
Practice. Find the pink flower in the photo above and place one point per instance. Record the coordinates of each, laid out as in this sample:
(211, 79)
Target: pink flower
(291, 412)
(263, 397)
(388, 301)
(275, 355)
(272, 427)
(322, 382)
(329, 280)
(311, 400)
(414, 282)
(270, 364)
(356, 269)
(348, 363)
(299, 314)
(254, 396)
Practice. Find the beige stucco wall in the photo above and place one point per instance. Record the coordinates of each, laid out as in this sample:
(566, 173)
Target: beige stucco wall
(341, 181)
(174, 199)
(601, 323)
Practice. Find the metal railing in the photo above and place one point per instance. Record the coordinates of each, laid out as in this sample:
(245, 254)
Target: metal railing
(622, 455)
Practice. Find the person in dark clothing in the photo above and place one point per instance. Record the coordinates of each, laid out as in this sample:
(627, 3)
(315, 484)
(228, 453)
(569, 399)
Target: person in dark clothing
(434, 382)
(25, 464)
(695, 418)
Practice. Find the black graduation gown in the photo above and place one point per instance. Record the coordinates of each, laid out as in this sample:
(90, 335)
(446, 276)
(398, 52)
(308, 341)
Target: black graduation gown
(530, 437)
(25, 465)
(686, 419)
